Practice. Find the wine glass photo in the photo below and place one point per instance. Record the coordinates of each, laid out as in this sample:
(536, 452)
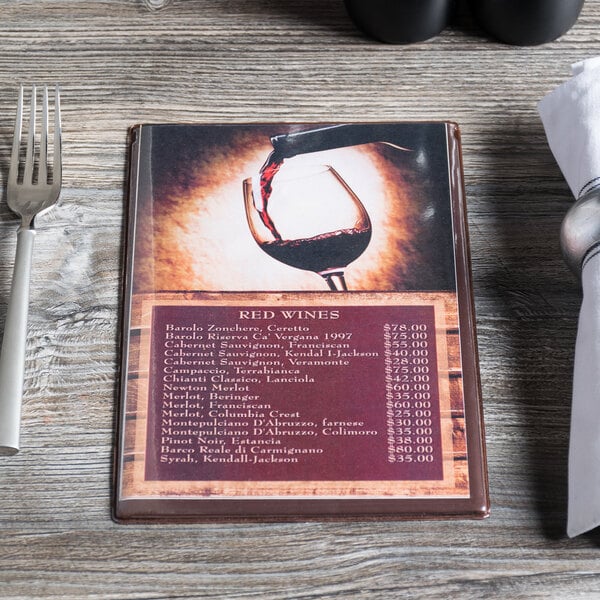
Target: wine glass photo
(309, 218)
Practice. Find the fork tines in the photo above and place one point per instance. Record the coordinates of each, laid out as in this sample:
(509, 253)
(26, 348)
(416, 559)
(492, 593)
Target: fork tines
(33, 167)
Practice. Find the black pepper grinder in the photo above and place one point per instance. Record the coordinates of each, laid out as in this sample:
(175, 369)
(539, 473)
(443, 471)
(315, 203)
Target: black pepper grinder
(400, 21)
(526, 22)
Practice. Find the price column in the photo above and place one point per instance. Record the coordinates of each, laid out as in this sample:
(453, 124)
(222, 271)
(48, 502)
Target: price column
(411, 408)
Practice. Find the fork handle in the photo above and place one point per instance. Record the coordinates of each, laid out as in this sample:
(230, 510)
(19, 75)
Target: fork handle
(12, 355)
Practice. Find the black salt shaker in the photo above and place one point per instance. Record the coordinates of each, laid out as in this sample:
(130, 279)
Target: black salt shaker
(526, 22)
(400, 21)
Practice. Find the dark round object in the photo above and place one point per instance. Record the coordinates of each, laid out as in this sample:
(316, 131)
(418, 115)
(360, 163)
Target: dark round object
(400, 21)
(526, 22)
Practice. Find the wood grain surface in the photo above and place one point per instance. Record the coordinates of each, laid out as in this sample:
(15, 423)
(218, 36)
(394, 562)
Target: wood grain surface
(119, 64)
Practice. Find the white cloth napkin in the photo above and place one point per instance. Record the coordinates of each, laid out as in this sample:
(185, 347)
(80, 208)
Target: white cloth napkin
(571, 118)
(584, 445)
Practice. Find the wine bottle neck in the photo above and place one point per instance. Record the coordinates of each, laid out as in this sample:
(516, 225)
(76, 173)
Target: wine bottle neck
(328, 138)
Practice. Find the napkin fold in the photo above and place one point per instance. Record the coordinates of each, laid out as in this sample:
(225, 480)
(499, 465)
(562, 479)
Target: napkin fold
(571, 118)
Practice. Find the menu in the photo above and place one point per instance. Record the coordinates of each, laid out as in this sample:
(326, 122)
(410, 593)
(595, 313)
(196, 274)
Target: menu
(298, 330)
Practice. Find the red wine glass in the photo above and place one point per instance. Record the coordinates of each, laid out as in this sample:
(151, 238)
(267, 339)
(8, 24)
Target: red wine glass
(309, 219)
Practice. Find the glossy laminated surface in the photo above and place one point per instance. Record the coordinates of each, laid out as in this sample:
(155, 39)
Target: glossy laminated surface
(248, 390)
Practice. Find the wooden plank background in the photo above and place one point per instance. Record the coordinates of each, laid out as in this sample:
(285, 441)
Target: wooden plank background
(268, 60)
(134, 419)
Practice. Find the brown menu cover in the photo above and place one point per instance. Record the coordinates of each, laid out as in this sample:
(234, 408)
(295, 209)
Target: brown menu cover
(298, 327)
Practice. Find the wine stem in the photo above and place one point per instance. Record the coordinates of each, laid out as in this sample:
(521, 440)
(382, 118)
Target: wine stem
(336, 281)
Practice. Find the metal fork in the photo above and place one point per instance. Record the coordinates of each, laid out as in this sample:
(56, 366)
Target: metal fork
(28, 195)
